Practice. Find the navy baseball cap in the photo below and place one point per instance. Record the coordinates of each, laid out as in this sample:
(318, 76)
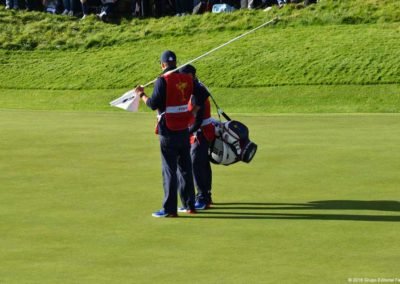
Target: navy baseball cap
(188, 69)
(168, 56)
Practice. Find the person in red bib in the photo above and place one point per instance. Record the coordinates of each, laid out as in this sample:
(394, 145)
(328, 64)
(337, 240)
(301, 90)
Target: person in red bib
(170, 97)
(202, 134)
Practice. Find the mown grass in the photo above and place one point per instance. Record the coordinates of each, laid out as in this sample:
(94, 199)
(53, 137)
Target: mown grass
(280, 99)
(318, 204)
(78, 189)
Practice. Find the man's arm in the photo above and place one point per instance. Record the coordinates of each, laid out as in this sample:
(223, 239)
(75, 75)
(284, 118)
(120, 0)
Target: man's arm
(200, 95)
(198, 120)
(157, 98)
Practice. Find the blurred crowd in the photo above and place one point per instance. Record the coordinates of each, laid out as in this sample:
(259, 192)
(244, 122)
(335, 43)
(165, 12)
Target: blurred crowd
(144, 8)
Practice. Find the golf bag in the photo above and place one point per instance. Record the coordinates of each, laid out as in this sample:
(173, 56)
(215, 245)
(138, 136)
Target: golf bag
(231, 144)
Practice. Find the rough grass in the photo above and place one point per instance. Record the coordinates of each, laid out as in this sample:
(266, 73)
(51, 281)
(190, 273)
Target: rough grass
(362, 54)
(78, 190)
(29, 31)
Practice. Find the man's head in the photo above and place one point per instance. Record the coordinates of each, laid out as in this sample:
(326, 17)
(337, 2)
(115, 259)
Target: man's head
(168, 59)
(188, 69)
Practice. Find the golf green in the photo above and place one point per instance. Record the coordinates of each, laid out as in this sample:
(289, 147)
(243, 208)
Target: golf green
(318, 204)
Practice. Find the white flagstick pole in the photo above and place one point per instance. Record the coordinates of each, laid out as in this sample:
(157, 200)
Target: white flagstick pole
(203, 55)
(225, 44)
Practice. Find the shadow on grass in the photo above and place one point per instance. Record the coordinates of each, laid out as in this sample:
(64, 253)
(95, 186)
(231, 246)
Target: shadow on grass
(238, 210)
(378, 205)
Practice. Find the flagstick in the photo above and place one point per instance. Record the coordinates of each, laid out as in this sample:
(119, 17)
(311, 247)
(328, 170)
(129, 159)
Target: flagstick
(203, 55)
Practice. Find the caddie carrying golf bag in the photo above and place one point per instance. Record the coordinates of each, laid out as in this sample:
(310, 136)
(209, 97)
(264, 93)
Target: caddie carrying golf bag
(231, 144)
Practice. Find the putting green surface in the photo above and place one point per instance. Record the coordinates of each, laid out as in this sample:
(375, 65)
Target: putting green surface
(318, 204)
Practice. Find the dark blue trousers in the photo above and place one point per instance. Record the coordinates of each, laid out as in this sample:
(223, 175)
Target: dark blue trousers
(201, 168)
(176, 172)
(108, 7)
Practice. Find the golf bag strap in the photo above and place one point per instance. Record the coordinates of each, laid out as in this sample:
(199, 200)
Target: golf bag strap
(224, 115)
(219, 110)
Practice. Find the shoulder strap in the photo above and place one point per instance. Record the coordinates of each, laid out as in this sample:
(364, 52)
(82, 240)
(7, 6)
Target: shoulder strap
(219, 110)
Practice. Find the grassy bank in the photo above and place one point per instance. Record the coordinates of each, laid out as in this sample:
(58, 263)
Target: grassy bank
(29, 31)
(312, 60)
(361, 54)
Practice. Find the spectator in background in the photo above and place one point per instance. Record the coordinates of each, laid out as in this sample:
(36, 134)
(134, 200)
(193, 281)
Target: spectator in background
(30, 5)
(189, 7)
(254, 4)
(281, 3)
(143, 8)
(202, 6)
(135, 8)
(69, 7)
(183, 7)
(159, 8)
(309, 2)
(12, 4)
(51, 6)
(179, 7)
(247, 4)
(107, 7)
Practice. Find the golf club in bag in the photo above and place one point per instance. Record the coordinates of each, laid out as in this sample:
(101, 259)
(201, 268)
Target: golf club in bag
(232, 143)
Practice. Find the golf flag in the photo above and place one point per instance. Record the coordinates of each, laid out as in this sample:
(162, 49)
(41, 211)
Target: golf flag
(128, 101)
